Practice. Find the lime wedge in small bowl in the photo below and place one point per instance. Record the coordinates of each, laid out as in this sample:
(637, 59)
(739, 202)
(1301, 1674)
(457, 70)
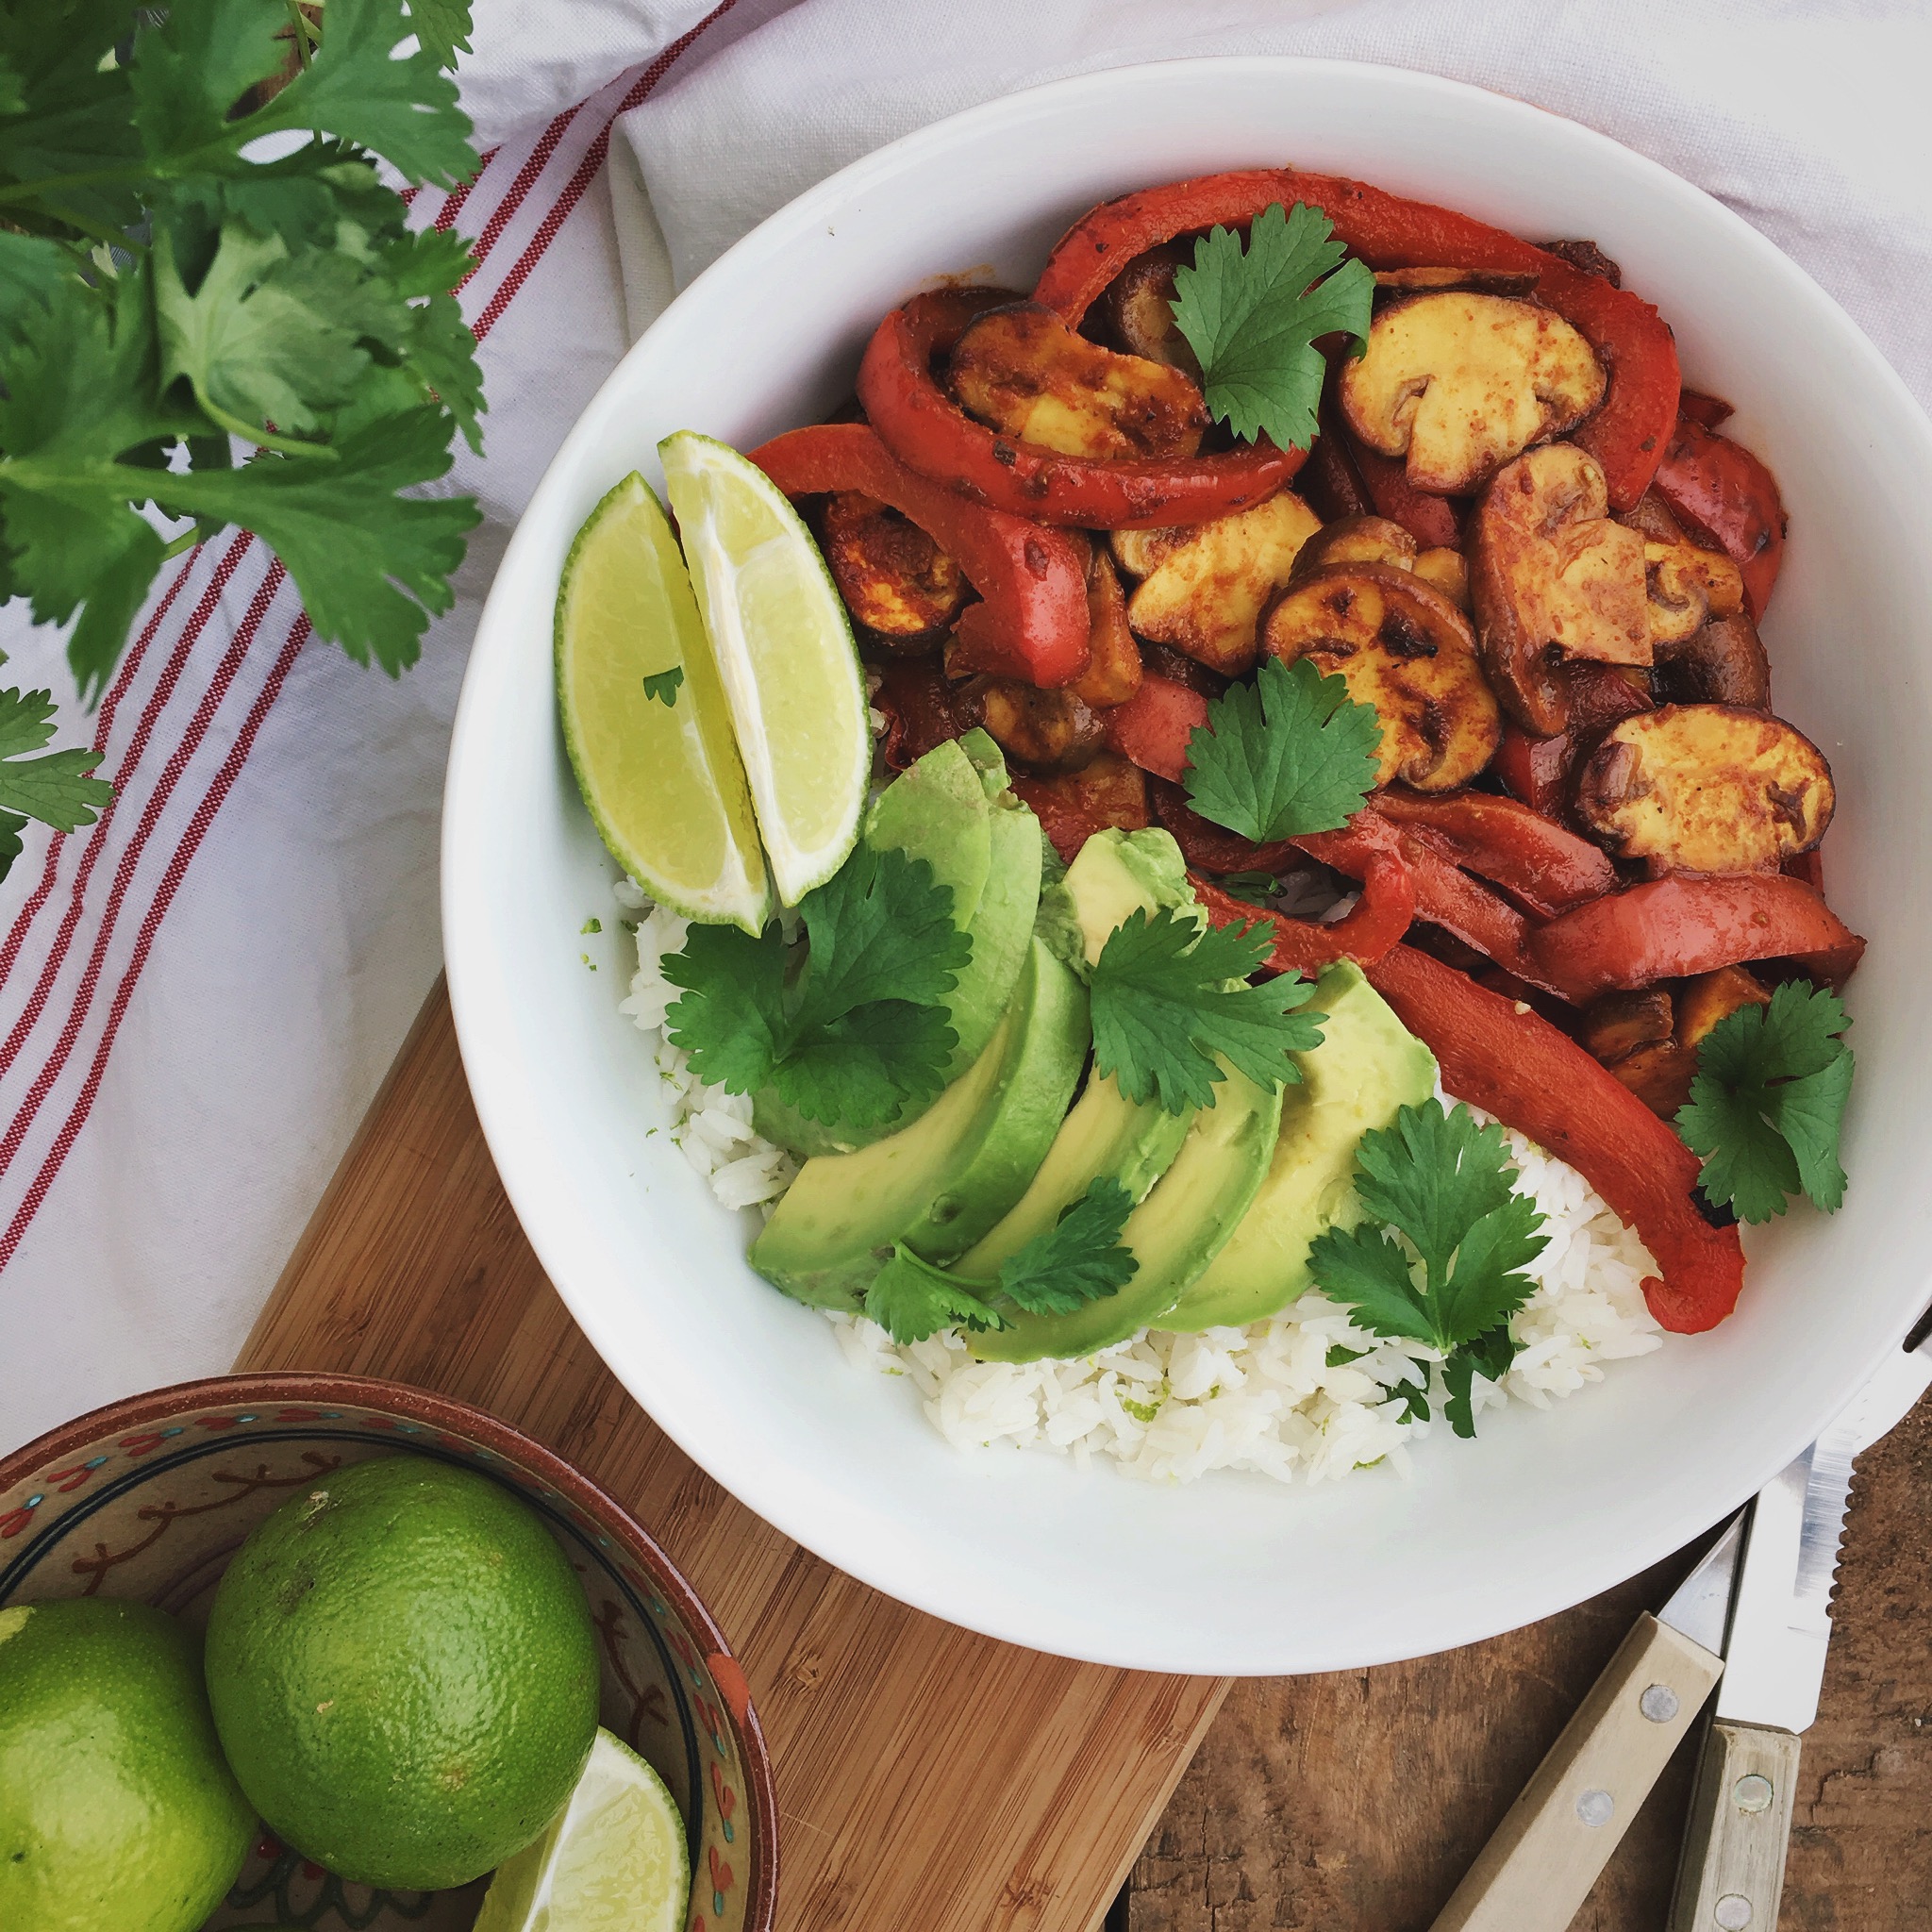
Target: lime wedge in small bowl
(784, 650)
(613, 1859)
(645, 720)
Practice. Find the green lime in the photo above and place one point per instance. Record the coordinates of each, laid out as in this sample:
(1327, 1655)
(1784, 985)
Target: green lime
(117, 1813)
(784, 648)
(645, 718)
(404, 1674)
(613, 1862)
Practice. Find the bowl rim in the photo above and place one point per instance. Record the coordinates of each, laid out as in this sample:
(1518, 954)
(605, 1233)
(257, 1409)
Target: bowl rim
(770, 1494)
(455, 1417)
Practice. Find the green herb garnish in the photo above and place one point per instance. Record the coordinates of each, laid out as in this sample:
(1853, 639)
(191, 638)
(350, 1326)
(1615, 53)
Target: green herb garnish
(1446, 1185)
(1252, 319)
(1768, 1102)
(662, 685)
(857, 1034)
(1078, 1259)
(53, 788)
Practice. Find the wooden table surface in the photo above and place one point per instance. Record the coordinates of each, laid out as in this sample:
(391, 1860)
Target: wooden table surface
(933, 1781)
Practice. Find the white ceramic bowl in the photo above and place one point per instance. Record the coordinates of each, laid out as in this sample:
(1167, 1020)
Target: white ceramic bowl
(1232, 1573)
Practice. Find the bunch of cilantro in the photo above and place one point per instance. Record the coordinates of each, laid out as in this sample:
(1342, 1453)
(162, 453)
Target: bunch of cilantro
(211, 312)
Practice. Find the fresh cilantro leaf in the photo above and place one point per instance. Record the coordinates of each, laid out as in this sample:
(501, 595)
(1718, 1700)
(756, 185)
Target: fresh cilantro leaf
(1078, 1259)
(1290, 754)
(444, 28)
(12, 825)
(1168, 998)
(1250, 888)
(1446, 1185)
(1339, 1357)
(912, 1299)
(53, 788)
(860, 1031)
(663, 686)
(1252, 319)
(1767, 1103)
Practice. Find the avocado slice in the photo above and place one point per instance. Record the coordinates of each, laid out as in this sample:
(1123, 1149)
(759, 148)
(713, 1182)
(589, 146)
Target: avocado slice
(1367, 1067)
(1175, 1233)
(1106, 1134)
(952, 809)
(939, 1184)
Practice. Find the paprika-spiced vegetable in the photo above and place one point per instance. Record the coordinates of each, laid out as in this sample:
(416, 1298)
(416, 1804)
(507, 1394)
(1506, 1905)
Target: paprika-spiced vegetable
(1520, 1068)
(1722, 490)
(1375, 922)
(1154, 727)
(1545, 866)
(1670, 929)
(1032, 620)
(1626, 435)
(928, 432)
(1072, 805)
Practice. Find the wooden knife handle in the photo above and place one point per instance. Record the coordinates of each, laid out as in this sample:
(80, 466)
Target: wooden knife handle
(1732, 1872)
(1544, 1856)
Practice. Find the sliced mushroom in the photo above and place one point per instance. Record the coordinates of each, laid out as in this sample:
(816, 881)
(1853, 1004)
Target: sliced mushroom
(1205, 593)
(1403, 648)
(1621, 1023)
(1649, 1039)
(1413, 281)
(1140, 552)
(1447, 571)
(1023, 372)
(1113, 663)
(1044, 731)
(1552, 577)
(1139, 306)
(1357, 539)
(1686, 587)
(1721, 664)
(1652, 516)
(1460, 382)
(1705, 788)
(893, 577)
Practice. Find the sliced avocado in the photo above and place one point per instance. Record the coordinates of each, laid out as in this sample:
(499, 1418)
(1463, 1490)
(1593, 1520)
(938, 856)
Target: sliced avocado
(946, 809)
(1367, 1067)
(1106, 1134)
(939, 1184)
(1175, 1233)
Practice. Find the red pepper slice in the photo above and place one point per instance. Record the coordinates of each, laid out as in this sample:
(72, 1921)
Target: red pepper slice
(1155, 725)
(1032, 620)
(1374, 925)
(915, 698)
(1727, 494)
(1521, 1069)
(1670, 929)
(1540, 863)
(1430, 520)
(925, 430)
(1072, 805)
(1626, 435)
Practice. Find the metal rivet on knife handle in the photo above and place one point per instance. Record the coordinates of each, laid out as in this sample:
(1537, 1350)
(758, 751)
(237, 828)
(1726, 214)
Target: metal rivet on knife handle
(1753, 1792)
(1660, 1704)
(1733, 1912)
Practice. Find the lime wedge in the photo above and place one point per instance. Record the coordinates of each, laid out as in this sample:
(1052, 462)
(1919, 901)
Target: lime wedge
(785, 652)
(614, 1857)
(645, 718)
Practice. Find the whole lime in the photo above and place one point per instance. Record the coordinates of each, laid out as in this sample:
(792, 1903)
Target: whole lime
(117, 1813)
(404, 1674)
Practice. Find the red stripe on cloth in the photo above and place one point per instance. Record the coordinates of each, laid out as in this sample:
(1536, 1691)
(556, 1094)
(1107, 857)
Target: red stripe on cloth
(97, 840)
(131, 663)
(534, 164)
(123, 874)
(177, 870)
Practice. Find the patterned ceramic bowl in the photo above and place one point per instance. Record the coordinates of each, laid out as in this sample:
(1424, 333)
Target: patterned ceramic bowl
(149, 1498)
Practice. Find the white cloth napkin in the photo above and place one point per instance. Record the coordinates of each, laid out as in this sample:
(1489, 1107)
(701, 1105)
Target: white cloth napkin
(199, 997)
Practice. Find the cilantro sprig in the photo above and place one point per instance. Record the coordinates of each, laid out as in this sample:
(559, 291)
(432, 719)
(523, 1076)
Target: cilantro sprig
(1446, 1185)
(170, 281)
(53, 788)
(1252, 319)
(1169, 996)
(1290, 754)
(1768, 1103)
(860, 1031)
(1077, 1261)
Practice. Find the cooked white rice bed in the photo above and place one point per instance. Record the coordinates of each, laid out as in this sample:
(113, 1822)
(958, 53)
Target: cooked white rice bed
(1171, 1408)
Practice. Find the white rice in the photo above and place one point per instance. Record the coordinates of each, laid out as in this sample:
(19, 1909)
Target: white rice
(1171, 1408)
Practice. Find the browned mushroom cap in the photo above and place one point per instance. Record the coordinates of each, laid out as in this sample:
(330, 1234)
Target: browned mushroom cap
(1023, 372)
(1357, 539)
(1721, 664)
(1552, 577)
(1139, 307)
(1446, 571)
(1044, 731)
(1403, 648)
(1206, 587)
(1686, 587)
(893, 577)
(1413, 281)
(1649, 1039)
(1705, 788)
(1460, 382)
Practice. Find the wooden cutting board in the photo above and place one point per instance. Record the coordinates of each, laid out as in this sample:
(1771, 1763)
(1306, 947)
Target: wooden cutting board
(927, 1778)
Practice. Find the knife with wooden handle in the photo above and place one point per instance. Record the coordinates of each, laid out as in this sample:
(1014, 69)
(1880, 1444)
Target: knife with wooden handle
(1547, 1852)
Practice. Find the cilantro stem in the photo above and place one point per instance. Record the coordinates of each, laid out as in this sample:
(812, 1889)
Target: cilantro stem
(305, 35)
(183, 545)
(266, 439)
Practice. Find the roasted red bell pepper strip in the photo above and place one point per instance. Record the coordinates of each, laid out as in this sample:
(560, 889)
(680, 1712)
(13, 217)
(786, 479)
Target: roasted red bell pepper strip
(927, 430)
(1713, 411)
(1430, 520)
(915, 698)
(1540, 863)
(1670, 929)
(1720, 488)
(1536, 770)
(1032, 620)
(1073, 806)
(1626, 435)
(1155, 725)
(1375, 922)
(1517, 1066)
(1212, 848)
